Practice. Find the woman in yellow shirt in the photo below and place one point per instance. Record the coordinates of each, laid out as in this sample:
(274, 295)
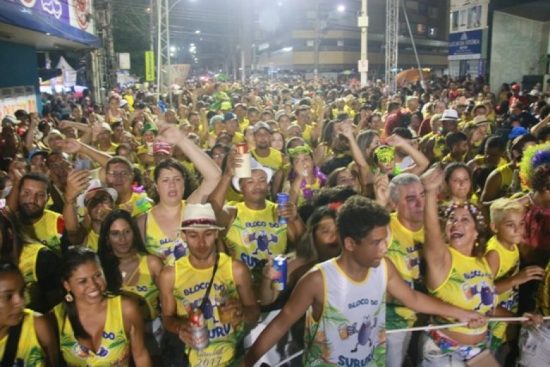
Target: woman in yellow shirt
(97, 329)
(129, 268)
(159, 227)
(457, 273)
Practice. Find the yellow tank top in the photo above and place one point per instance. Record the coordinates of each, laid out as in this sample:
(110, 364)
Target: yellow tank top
(146, 289)
(189, 289)
(274, 160)
(508, 266)
(115, 346)
(158, 243)
(469, 285)
(92, 240)
(506, 174)
(29, 351)
(351, 328)
(405, 252)
(49, 229)
(254, 236)
(139, 203)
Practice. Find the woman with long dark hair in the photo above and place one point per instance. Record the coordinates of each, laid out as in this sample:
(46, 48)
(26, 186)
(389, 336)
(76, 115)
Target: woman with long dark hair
(129, 268)
(96, 328)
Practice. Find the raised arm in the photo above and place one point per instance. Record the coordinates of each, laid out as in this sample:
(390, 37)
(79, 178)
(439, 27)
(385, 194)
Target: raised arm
(29, 137)
(224, 214)
(73, 146)
(205, 165)
(436, 253)
(420, 160)
(77, 181)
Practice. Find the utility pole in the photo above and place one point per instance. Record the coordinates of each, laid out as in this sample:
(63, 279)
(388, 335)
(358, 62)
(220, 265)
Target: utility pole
(363, 24)
(392, 34)
(317, 45)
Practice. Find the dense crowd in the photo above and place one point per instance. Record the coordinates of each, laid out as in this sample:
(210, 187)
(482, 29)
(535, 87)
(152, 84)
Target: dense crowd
(148, 230)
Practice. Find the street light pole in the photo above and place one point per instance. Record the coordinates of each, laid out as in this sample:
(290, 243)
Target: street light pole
(363, 24)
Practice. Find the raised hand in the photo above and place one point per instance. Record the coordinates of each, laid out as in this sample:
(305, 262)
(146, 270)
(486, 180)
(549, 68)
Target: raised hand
(71, 146)
(77, 182)
(432, 179)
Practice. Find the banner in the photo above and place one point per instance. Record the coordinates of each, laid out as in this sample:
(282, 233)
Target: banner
(149, 66)
(76, 13)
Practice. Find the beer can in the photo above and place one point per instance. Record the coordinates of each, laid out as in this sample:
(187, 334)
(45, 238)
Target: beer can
(199, 331)
(282, 199)
(280, 266)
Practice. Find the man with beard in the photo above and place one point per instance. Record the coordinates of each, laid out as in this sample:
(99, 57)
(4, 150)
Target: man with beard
(340, 145)
(39, 223)
(267, 156)
(96, 201)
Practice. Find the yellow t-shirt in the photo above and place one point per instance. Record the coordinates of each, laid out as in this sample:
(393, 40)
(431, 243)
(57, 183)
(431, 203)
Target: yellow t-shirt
(405, 252)
(92, 240)
(115, 346)
(469, 285)
(237, 138)
(29, 351)
(189, 289)
(139, 203)
(274, 160)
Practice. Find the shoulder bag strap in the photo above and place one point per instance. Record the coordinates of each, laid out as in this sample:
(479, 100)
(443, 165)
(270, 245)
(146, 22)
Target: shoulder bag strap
(11, 345)
(203, 302)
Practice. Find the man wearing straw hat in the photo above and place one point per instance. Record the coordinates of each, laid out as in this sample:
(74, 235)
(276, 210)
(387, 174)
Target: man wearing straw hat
(211, 282)
(344, 298)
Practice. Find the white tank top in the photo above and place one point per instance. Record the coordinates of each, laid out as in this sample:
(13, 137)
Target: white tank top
(350, 330)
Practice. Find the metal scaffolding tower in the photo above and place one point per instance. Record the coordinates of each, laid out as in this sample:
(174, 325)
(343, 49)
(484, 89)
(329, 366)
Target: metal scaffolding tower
(392, 34)
(104, 60)
(162, 26)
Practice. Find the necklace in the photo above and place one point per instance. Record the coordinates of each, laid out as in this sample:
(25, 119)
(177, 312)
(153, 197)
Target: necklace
(127, 276)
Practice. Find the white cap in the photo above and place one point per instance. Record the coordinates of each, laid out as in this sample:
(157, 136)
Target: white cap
(449, 114)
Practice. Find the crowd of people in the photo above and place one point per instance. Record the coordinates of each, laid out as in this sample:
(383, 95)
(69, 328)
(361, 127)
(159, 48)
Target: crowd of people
(129, 234)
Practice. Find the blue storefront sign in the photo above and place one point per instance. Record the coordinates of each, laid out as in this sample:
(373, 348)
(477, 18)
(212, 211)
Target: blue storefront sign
(465, 45)
(69, 19)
